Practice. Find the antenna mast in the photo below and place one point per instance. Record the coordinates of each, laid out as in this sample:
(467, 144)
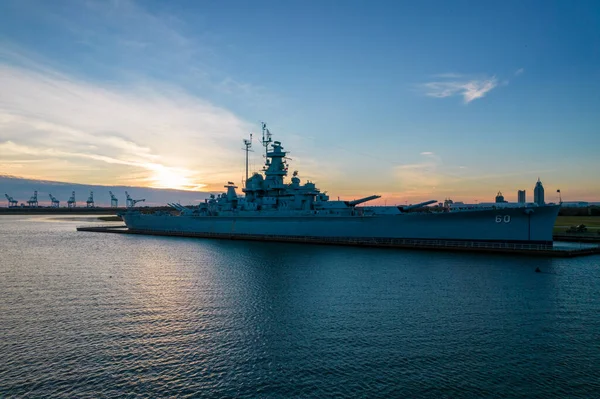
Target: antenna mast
(266, 139)
(247, 144)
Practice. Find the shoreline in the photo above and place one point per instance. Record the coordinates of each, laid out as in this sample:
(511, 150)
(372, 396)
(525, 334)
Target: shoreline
(73, 211)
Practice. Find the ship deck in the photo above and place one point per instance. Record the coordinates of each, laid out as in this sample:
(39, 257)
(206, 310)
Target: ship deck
(558, 249)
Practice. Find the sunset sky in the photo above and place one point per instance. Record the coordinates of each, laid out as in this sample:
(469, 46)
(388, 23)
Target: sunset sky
(409, 100)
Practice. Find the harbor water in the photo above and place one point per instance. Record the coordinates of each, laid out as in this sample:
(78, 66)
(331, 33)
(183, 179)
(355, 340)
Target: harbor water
(105, 315)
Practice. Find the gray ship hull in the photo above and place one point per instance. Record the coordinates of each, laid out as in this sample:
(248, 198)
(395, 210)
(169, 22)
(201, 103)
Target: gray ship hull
(532, 225)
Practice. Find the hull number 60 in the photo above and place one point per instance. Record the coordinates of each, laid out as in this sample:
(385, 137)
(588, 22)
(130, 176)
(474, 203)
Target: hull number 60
(502, 219)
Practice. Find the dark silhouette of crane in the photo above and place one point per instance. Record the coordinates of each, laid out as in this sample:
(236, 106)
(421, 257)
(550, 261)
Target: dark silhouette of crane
(33, 201)
(71, 203)
(114, 201)
(55, 202)
(12, 203)
(90, 201)
(130, 202)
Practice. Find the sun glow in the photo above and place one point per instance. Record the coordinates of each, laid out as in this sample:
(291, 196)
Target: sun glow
(173, 178)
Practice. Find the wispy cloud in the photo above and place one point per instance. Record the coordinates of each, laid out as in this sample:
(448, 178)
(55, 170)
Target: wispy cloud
(457, 85)
(420, 178)
(519, 71)
(428, 177)
(152, 134)
(101, 112)
(448, 75)
(123, 40)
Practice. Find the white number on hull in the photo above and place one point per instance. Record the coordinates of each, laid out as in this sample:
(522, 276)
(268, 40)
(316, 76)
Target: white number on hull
(500, 218)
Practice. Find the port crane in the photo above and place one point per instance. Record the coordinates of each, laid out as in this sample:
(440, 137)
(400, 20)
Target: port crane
(114, 201)
(130, 202)
(71, 202)
(12, 203)
(33, 201)
(55, 202)
(90, 201)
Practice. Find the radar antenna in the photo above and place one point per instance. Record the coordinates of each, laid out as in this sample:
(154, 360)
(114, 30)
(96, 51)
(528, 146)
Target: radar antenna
(247, 145)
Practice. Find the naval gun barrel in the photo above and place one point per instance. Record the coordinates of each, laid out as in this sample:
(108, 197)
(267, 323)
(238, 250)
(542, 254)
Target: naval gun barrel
(177, 206)
(183, 209)
(361, 200)
(415, 206)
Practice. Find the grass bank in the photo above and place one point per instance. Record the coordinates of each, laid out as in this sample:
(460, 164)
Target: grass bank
(564, 222)
(109, 218)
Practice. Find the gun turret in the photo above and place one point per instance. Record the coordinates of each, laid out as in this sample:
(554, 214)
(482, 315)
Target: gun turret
(360, 201)
(415, 206)
(181, 208)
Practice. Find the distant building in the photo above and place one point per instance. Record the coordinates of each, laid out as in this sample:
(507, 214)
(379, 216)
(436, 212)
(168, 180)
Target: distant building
(538, 193)
(522, 197)
(500, 198)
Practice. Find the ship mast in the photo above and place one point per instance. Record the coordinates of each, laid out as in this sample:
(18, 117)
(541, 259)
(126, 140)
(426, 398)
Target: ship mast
(266, 138)
(247, 145)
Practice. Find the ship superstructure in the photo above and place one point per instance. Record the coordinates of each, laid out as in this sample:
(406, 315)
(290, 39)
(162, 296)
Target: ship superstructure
(273, 209)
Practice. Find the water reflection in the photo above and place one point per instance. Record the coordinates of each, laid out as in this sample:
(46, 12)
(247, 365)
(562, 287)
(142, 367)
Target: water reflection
(99, 315)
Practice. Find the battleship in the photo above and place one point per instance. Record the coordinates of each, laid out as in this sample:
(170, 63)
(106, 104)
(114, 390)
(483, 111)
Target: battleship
(272, 209)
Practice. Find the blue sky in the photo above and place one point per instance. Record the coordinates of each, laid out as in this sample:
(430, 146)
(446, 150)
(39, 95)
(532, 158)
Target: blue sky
(410, 100)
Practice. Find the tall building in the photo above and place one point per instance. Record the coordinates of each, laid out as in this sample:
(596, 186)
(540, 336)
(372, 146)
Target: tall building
(538, 193)
(499, 198)
(522, 197)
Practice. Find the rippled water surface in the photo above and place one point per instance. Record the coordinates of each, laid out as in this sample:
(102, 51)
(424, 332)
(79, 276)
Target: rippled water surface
(91, 315)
